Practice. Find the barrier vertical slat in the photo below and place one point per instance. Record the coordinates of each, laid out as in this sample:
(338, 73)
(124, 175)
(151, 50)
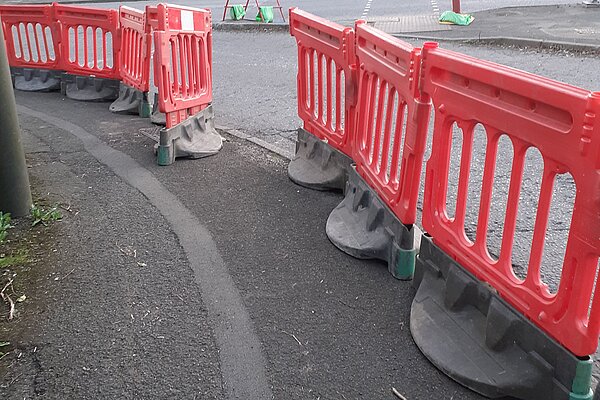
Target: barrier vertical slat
(311, 88)
(37, 44)
(510, 222)
(466, 158)
(95, 44)
(29, 47)
(486, 191)
(540, 227)
(558, 120)
(384, 159)
(46, 47)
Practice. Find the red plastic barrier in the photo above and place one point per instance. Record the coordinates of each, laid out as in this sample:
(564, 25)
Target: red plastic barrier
(183, 61)
(561, 122)
(135, 48)
(31, 36)
(392, 119)
(326, 78)
(90, 41)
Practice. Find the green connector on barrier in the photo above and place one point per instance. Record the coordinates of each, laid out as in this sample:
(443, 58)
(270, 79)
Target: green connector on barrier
(404, 268)
(145, 109)
(164, 156)
(581, 389)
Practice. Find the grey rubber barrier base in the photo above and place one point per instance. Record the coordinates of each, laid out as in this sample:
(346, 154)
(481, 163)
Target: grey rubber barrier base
(195, 137)
(317, 165)
(35, 80)
(131, 101)
(364, 227)
(465, 329)
(157, 117)
(85, 88)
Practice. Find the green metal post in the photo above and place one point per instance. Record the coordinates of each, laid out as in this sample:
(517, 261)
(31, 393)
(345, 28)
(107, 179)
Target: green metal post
(15, 194)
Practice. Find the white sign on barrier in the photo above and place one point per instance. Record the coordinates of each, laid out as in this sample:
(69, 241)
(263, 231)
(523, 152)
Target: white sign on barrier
(187, 20)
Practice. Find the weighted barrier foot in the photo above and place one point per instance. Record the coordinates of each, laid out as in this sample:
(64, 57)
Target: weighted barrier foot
(465, 329)
(84, 88)
(317, 165)
(195, 137)
(35, 80)
(363, 227)
(131, 101)
(157, 118)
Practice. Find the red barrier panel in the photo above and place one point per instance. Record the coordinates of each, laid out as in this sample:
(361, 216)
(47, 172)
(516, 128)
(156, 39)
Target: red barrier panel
(533, 112)
(326, 78)
(90, 41)
(183, 61)
(135, 48)
(392, 119)
(31, 36)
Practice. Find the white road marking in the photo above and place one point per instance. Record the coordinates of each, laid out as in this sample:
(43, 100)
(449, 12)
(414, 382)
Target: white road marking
(367, 9)
(436, 9)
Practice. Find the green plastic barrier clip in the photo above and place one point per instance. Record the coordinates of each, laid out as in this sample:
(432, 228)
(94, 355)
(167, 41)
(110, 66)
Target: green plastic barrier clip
(450, 17)
(267, 14)
(237, 12)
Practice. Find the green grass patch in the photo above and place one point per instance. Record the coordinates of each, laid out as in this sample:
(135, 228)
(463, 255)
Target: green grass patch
(21, 257)
(4, 225)
(44, 215)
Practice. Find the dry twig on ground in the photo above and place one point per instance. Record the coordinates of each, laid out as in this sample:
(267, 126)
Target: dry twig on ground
(294, 336)
(397, 394)
(8, 300)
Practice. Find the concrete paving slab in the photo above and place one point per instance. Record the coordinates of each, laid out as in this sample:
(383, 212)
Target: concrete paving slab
(569, 25)
(408, 23)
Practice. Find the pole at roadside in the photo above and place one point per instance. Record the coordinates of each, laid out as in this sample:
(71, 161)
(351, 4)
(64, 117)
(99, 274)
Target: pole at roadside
(15, 194)
(456, 6)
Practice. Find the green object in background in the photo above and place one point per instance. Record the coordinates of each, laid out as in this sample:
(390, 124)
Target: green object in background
(237, 12)
(450, 17)
(267, 14)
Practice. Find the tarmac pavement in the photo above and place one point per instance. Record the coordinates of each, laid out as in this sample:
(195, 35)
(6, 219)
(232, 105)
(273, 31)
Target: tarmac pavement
(115, 312)
(224, 240)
